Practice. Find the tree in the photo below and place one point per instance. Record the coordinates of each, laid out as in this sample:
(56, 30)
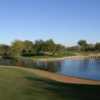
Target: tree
(27, 48)
(50, 45)
(73, 48)
(17, 47)
(28, 44)
(22, 48)
(97, 46)
(39, 46)
(83, 45)
(90, 47)
(5, 51)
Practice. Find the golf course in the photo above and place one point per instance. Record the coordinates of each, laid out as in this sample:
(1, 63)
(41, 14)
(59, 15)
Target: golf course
(24, 84)
(49, 49)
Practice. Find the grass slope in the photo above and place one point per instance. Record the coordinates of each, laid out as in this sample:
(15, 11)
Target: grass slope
(16, 84)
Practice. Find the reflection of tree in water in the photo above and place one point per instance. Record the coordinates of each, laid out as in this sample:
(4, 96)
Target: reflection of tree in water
(97, 63)
(49, 66)
(84, 65)
(88, 64)
(54, 66)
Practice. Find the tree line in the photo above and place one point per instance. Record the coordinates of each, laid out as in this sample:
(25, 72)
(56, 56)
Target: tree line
(84, 46)
(28, 48)
(39, 48)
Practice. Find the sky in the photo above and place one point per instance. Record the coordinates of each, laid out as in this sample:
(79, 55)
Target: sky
(65, 21)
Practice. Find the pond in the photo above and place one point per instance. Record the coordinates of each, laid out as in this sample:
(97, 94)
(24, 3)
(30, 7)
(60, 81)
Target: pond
(85, 68)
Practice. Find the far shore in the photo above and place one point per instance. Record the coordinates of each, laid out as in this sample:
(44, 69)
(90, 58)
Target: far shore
(78, 57)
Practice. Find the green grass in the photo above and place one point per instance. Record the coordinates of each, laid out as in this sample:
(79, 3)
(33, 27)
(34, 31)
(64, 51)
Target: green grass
(52, 57)
(16, 84)
(58, 55)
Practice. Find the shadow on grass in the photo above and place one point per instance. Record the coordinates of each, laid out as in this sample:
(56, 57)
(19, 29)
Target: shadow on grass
(73, 91)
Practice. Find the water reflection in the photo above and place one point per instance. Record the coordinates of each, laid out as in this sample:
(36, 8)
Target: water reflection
(49, 66)
(84, 65)
(86, 68)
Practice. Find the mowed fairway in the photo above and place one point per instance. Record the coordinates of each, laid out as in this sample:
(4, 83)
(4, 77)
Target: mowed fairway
(18, 84)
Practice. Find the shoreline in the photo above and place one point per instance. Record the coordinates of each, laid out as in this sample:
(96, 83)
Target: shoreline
(62, 78)
(56, 77)
(67, 58)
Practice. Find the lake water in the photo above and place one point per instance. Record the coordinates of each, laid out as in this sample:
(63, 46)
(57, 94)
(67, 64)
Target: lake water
(86, 68)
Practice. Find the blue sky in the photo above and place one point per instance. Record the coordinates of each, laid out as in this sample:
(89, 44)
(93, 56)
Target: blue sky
(65, 21)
